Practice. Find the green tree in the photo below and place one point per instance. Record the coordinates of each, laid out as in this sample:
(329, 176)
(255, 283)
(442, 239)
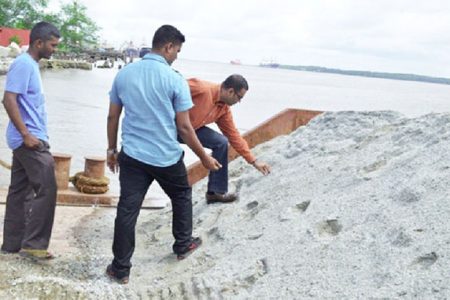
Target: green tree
(22, 13)
(78, 31)
(15, 39)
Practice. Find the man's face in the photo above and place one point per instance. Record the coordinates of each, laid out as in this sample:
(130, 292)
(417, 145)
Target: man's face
(47, 48)
(171, 52)
(232, 97)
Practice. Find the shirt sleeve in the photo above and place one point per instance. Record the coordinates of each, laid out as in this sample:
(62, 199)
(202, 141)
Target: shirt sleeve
(226, 125)
(182, 97)
(114, 94)
(196, 88)
(18, 77)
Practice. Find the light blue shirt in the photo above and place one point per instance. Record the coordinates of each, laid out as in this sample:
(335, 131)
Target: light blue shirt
(151, 93)
(24, 79)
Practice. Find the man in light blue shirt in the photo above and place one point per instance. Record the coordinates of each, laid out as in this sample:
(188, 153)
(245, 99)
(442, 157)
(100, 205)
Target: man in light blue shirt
(31, 200)
(149, 133)
(156, 100)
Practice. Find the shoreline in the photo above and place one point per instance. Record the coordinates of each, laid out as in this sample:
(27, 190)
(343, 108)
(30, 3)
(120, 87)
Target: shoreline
(5, 63)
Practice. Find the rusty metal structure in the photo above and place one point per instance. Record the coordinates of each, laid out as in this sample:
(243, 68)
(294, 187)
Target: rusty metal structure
(282, 123)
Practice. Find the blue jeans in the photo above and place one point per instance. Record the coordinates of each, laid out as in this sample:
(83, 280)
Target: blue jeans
(135, 179)
(218, 143)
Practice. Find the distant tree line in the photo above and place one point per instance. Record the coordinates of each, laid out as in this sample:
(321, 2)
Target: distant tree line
(397, 76)
(78, 31)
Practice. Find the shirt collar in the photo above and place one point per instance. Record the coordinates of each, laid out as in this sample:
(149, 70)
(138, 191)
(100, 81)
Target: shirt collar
(216, 94)
(154, 56)
(30, 57)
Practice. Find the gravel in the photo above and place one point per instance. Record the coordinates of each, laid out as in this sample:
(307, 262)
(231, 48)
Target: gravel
(356, 207)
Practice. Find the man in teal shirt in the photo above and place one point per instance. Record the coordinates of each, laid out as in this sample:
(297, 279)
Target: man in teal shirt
(156, 100)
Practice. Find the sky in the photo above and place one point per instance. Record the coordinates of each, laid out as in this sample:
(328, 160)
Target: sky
(401, 36)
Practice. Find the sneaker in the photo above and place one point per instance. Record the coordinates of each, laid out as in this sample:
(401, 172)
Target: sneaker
(113, 276)
(212, 197)
(195, 243)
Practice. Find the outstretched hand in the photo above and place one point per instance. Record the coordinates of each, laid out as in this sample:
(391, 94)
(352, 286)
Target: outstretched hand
(211, 163)
(262, 167)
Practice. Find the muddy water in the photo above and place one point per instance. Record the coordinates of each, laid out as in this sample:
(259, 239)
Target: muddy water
(77, 103)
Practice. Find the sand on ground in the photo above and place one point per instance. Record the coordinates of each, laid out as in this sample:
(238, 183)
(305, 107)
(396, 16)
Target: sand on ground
(357, 206)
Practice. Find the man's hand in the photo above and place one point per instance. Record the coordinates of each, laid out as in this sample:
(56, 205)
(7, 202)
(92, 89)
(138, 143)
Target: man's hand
(112, 126)
(111, 161)
(188, 135)
(211, 163)
(30, 141)
(262, 167)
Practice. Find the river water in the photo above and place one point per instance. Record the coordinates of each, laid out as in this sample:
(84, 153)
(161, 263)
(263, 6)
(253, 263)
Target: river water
(77, 103)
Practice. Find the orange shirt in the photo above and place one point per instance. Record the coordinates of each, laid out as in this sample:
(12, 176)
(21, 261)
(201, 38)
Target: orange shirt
(207, 109)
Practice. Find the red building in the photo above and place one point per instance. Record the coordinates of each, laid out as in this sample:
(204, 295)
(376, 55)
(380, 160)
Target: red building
(7, 33)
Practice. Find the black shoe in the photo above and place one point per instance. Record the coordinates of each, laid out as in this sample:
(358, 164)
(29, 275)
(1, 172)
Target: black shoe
(223, 198)
(113, 276)
(195, 243)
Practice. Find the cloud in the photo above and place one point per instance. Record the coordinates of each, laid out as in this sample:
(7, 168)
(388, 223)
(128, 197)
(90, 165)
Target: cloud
(401, 36)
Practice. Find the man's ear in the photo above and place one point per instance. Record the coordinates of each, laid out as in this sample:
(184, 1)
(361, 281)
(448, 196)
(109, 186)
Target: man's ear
(38, 43)
(168, 47)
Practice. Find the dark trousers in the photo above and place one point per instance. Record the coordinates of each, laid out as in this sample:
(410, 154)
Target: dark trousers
(135, 179)
(31, 200)
(218, 143)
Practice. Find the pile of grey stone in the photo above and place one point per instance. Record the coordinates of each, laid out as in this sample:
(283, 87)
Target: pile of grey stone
(7, 55)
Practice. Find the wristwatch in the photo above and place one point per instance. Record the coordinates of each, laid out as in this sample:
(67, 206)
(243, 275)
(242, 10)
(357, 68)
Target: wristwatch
(111, 151)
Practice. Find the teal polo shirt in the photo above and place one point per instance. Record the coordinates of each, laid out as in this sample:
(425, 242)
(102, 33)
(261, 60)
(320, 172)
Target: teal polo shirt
(151, 93)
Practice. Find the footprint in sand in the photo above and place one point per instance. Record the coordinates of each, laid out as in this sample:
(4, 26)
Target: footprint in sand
(330, 227)
(426, 260)
(303, 206)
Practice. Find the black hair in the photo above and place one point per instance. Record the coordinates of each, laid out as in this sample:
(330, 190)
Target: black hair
(167, 34)
(236, 82)
(43, 31)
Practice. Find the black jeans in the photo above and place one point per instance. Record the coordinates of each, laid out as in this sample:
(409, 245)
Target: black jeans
(31, 200)
(135, 179)
(218, 143)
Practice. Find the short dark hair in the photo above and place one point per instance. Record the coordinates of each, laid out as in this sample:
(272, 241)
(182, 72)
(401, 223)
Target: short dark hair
(167, 34)
(236, 82)
(43, 31)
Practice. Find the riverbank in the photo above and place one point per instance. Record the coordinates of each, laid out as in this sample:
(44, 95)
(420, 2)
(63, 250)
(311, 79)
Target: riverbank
(8, 54)
(356, 206)
(386, 75)
(64, 64)
(5, 62)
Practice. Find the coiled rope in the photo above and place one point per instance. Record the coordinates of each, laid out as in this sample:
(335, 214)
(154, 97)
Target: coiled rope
(89, 185)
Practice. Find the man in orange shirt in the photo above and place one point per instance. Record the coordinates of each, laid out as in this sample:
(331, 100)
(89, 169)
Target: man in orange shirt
(212, 105)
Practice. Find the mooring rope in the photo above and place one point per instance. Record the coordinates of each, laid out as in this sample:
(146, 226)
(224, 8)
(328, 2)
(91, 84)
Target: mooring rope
(5, 165)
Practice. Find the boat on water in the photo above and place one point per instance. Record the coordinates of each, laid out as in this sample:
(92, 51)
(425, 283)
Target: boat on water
(236, 62)
(269, 63)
